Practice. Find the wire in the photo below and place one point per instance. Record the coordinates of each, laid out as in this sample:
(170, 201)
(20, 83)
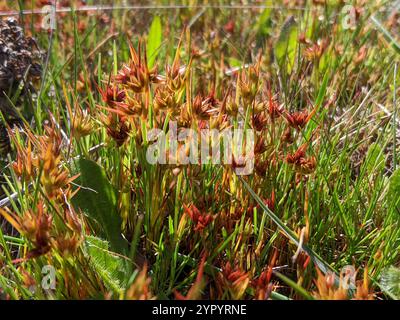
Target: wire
(148, 7)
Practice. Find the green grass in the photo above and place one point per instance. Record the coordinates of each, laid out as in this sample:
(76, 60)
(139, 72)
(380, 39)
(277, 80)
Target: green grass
(126, 233)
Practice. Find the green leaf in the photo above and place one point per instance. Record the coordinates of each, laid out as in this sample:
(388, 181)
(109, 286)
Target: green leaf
(312, 125)
(394, 186)
(390, 282)
(263, 21)
(278, 296)
(375, 159)
(224, 244)
(299, 289)
(98, 199)
(154, 41)
(285, 48)
(106, 263)
(234, 63)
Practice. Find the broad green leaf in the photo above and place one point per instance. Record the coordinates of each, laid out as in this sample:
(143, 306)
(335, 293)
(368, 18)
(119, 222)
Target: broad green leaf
(106, 263)
(263, 22)
(286, 47)
(98, 199)
(333, 3)
(234, 63)
(375, 159)
(154, 41)
(394, 186)
(390, 282)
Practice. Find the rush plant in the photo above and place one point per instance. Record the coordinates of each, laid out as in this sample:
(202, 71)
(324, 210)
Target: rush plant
(306, 208)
